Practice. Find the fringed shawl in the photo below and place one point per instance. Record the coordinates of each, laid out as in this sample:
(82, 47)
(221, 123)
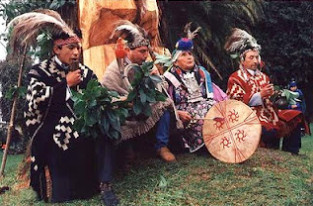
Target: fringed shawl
(112, 79)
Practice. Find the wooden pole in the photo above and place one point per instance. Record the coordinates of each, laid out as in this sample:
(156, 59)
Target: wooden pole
(11, 124)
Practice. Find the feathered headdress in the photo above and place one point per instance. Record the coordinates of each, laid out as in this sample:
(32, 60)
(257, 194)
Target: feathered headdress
(132, 33)
(186, 43)
(239, 42)
(24, 29)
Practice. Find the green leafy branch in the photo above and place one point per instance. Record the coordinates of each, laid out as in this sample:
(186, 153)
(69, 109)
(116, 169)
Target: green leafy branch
(44, 46)
(144, 91)
(20, 92)
(97, 115)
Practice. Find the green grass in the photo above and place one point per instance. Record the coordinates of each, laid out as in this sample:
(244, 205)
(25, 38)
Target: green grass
(269, 177)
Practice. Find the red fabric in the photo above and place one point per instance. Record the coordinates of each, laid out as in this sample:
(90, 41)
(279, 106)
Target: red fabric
(292, 119)
(242, 86)
(288, 114)
(202, 74)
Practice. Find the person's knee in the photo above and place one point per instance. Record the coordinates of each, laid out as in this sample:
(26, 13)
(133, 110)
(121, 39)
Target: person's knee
(166, 117)
(269, 138)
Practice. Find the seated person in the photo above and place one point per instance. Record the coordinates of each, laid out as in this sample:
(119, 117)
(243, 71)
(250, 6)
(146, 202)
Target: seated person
(136, 52)
(193, 93)
(298, 102)
(251, 86)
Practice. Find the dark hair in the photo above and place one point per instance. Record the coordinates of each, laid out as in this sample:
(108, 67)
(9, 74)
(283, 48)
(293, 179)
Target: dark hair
(64, 36)
(78, 32)
(61, 35)
(245, 53)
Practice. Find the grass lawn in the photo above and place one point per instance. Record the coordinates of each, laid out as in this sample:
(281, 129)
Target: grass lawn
(269, 177)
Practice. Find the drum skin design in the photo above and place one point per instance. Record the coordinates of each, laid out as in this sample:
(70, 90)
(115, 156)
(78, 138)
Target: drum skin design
(235, 133)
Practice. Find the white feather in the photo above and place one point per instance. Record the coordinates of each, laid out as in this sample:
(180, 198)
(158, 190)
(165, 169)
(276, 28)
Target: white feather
(129, 28)
(190, 34)
(30, 15)
(239, 39)
(26, 27)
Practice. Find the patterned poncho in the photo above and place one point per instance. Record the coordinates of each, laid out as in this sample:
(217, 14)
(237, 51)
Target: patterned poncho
(56, 147)
(243, 86)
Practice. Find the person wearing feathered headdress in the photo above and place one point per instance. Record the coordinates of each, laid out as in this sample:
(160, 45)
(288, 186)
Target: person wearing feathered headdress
(58, 152)
(192, 90)
(133, 48)
(253, 87)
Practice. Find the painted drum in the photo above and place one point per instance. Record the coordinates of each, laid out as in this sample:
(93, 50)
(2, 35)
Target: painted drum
(231, 131)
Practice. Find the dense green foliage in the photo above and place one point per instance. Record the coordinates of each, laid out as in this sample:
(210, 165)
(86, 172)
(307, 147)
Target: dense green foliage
(143, 90)
(100, 112)
(19, 92)
(97, 114)
(285, 33)
(8, 81)
(11, 9)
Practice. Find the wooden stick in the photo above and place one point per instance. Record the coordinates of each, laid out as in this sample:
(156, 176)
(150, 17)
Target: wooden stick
(214, 118)
(11, 124)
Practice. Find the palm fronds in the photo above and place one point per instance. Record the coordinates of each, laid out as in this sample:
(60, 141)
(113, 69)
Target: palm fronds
(216, 20)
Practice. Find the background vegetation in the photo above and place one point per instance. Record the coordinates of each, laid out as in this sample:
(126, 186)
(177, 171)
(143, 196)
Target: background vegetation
(283, 28)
